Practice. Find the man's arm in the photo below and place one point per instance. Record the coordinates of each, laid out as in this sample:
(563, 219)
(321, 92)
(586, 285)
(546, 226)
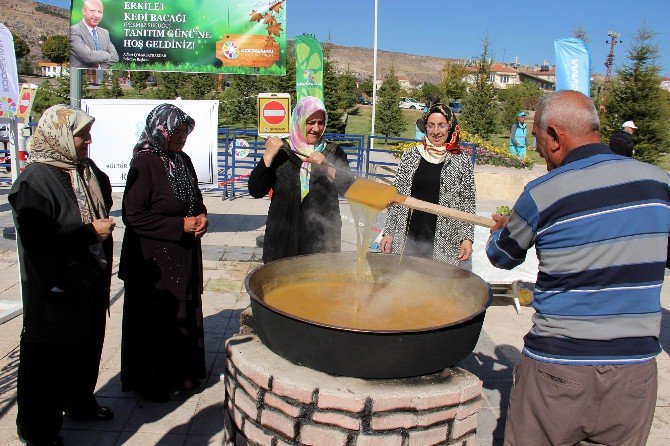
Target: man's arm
(507, 246)
(84, 53)
(113, 55)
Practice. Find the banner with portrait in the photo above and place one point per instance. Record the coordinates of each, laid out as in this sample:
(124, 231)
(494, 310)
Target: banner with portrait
(573, 65)
(195, 36)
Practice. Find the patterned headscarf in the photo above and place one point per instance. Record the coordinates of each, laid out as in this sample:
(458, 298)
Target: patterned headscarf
(305, 107)
(161, 124)
(434, 154)
(53, 144)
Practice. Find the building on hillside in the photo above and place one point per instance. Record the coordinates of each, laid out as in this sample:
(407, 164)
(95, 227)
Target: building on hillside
(51, 69)
(544, 71)
(665, 83)
(404, 82)
(544, 84)
(500, 75)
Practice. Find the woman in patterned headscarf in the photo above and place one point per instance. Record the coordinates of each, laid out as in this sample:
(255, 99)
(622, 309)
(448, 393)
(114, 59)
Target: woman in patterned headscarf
(162, 347)
(306, 175)
(61, 203)
(435, 170)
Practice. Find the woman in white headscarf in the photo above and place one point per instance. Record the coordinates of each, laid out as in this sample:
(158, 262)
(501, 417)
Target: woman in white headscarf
(306, 174)
(61, 204)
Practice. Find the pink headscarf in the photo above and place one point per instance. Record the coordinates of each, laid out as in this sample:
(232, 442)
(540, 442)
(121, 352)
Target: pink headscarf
(305, 107)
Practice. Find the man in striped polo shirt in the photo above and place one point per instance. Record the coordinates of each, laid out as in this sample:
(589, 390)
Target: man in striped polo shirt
(600, 224)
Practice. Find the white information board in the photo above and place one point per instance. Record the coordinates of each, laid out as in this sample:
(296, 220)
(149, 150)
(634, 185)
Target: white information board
(119, 124)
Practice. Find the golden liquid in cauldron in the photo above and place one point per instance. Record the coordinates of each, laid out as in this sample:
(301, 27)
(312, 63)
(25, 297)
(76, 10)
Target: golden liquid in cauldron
(383, 307)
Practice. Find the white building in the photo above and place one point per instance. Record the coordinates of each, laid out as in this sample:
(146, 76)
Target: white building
(50, 69)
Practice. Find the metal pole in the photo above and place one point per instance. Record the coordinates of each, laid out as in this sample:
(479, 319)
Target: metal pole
(14, 146)
(75, 87)
(374, 80)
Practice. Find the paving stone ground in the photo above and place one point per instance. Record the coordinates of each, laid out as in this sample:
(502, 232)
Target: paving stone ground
(229, 254)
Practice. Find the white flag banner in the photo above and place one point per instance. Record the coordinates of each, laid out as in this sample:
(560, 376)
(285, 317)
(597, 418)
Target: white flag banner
(9, 80)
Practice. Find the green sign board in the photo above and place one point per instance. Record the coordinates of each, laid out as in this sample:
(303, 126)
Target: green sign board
(199, 36)
(308, 67)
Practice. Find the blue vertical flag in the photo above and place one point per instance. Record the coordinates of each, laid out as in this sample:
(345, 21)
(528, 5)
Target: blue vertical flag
(573, 66)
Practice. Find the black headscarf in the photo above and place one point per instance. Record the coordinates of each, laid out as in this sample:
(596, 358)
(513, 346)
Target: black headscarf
(453, 137)
(161, 124)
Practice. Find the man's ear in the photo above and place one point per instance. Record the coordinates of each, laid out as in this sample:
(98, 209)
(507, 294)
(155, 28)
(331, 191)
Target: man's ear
(556, 138)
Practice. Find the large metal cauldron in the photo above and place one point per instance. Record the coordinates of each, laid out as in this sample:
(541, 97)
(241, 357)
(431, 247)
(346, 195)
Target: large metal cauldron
(367, 353)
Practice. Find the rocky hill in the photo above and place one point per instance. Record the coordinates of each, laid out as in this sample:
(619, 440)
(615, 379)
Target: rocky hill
(34, 21)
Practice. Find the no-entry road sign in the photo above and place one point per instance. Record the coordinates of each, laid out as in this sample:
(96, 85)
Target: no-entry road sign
(273, 114)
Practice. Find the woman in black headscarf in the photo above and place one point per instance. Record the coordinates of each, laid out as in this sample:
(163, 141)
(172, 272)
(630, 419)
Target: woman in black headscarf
(435, 170)
(161, 262)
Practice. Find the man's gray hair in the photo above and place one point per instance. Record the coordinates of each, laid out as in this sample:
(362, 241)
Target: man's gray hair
(578, 117)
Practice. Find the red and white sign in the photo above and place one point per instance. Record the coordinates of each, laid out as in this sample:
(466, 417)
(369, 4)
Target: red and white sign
(274, 112)
(24, 102)
(26, 99)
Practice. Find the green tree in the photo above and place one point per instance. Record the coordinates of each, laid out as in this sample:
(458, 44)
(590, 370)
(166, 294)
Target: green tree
(281, 84)
(365, 86)
(347, 91)
(518, 97)
(45, 98)
(238, 102)
(25, 66)
(21, 48)
(138, 80)
(115, 89)
(480, 109)
(198, 86)
(110, 88)
(56, 49)
(454, 85)
(332, 97)
(431, 93)
(580, 33)
(169, 85)
(636, 95)
(389, 120)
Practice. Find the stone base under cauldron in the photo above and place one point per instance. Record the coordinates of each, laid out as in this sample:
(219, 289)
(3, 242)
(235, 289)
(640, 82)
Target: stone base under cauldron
(270, 401)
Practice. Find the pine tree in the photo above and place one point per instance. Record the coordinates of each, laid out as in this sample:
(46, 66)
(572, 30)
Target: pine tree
(198, 86)
(518, 97)
(480, 112)
(389, 120)
(331, 96)
(454, 86)
(636, 95)
(238, 103)
(115, 89)
(57, 49)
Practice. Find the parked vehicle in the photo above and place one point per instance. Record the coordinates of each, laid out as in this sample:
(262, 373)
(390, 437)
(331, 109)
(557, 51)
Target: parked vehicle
(363, 101)
(456, 107)
(411, 104)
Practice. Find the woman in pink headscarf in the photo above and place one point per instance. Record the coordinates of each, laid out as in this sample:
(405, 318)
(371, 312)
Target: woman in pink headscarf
(306, 175)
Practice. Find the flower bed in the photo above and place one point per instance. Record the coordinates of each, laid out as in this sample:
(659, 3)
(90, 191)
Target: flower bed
(487, 152)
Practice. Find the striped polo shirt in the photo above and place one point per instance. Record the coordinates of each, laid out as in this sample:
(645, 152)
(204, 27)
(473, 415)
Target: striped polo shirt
(600, 224)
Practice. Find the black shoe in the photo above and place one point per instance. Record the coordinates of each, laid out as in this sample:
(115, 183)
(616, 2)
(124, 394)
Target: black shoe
(156, 395)
(102, 413)
(58, 441)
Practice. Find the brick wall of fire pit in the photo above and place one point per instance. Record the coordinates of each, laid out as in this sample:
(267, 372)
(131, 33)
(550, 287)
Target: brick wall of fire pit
(272, 402)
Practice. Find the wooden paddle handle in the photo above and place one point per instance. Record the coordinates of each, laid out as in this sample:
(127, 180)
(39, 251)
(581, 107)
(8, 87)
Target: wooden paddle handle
(443, 211)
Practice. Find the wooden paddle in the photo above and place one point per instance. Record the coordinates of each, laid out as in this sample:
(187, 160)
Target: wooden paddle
(380, 196)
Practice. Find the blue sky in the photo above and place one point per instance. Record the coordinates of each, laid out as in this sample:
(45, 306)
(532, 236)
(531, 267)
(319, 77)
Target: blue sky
(445, 28)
